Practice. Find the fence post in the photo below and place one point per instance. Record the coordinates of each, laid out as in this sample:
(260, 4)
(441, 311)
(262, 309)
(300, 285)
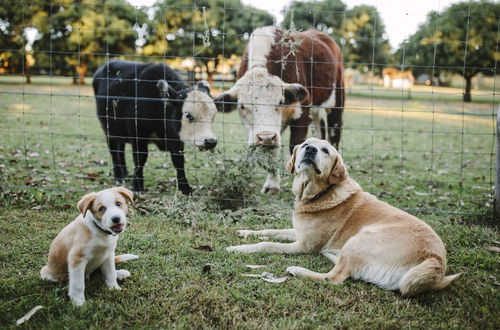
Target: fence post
(497, 168)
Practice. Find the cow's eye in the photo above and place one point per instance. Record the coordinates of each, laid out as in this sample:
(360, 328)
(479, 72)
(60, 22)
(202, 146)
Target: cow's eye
(325, 151)
(102, 209)
(189, 117)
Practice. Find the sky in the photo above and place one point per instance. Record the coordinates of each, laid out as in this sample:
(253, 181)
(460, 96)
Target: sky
(401, 17)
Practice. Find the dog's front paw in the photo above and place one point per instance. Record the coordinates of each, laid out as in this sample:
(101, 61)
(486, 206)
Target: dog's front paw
(295, 270)
(78, 300)
(113, 286)
(122, 274)
(244, 233)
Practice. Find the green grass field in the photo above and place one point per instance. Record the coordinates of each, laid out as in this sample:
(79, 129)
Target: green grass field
(431, 156)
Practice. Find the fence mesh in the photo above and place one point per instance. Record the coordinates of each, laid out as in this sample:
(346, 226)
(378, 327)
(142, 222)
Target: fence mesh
(421, 146)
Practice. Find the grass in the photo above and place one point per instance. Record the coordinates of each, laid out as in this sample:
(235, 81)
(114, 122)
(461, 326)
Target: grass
(433, 158)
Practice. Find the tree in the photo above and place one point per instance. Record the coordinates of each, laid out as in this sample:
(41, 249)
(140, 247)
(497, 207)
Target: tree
(83, 30)
(15, 55)
(204, 29)
(326, 15)
(365, 43)
(463, 39)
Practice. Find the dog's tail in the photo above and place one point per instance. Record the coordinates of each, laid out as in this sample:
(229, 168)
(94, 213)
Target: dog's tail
(427, 275)
(125, 257)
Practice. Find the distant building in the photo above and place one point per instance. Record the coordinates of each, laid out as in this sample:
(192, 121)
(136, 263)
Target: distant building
(395, 78)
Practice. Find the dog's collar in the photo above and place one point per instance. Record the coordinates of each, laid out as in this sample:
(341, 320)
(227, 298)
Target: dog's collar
(103, 230)
(322, 193)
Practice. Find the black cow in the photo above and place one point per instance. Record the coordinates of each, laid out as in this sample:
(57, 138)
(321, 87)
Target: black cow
(142, 103)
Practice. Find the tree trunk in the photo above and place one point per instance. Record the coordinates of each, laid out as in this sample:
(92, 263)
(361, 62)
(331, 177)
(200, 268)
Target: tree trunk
(81, 69)
(468, 85)
(28, 78)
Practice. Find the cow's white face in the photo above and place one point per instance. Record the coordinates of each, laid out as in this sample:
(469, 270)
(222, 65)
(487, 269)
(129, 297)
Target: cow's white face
(198, 114)
(260, 98)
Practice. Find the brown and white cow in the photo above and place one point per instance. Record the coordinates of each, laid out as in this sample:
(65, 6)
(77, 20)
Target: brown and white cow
(282, 77)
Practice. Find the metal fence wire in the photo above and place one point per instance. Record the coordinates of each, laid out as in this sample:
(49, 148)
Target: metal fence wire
(414, 142)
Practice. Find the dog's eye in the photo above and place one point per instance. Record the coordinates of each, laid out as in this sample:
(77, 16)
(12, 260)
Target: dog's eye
(325, 150)
(118, 204)
(102, 209)
(304, 145)
(189, 117)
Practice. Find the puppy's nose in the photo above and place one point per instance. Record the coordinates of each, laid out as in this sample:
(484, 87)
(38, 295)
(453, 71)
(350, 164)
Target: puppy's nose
(116, 219)
(210, 143)
(311, 150)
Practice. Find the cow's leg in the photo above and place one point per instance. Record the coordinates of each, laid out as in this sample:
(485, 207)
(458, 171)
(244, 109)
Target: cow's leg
(298, 129)
(272, 184)
(178, 161)
(117, 150)
(335, 126)
(140, 153)
(335, 122)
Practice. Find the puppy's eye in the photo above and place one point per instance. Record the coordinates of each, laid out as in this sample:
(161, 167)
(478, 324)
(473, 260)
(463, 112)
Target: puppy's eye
(118, 204)
(189, 117)
(102, 209)
(325, 150)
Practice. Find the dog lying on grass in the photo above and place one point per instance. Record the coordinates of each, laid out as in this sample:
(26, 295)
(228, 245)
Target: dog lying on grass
(89, 243)
(367, 239)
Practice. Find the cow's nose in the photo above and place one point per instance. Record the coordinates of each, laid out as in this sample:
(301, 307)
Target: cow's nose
(311, 150)
(115, 219)
(210, 143)
(267, 138)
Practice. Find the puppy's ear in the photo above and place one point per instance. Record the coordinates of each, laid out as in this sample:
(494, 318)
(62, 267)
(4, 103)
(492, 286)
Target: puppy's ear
(127, 194)
(86, 202)
(338, 172)
(290, 165)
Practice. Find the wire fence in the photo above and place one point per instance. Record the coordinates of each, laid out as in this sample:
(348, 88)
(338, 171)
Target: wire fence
(419, 146)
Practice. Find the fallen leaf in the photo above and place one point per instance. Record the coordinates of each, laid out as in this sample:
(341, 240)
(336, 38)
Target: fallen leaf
(421, 193)
(275, 279)
(28, 315)
(205, 248)
(493, 249)
(255, 266)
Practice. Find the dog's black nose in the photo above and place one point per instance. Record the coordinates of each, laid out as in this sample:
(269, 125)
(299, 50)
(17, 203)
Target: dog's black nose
(116, 219)
(311, 150)
(210, 143)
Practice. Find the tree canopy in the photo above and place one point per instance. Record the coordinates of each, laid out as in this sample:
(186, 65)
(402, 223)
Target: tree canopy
(463, 39)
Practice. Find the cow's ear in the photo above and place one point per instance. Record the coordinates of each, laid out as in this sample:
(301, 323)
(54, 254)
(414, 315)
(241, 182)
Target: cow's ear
(203, 85)
(294, 93)
(166, 91)
(226, 102)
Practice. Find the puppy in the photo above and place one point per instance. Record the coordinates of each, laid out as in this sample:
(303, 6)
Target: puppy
(367, 239)
(89, 243)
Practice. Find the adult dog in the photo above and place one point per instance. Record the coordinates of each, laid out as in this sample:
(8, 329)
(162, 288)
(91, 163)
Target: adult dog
(367, 239)
(142, 103)
(89, 242)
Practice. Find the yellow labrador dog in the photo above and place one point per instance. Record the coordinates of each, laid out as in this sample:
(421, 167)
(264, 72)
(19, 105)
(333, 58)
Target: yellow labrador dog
(367, 239)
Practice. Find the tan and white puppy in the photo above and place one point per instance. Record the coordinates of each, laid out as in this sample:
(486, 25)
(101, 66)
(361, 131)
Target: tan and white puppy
(89, 243)
(366, 238)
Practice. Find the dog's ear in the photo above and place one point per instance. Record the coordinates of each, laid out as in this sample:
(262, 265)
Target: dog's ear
(338, 172)
(290, 165)
(86, 202)
(127, 194)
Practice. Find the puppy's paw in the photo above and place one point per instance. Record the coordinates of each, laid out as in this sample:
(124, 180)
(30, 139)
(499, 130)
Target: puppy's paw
(122, 274)
(78, 300)
(245, 233)
(295, 270)
(113, 286)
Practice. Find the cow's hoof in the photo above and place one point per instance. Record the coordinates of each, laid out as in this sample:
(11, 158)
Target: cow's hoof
(186, 190)
(270, 190)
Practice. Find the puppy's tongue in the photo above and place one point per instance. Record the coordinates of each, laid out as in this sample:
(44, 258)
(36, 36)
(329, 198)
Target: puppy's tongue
(118, 228)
